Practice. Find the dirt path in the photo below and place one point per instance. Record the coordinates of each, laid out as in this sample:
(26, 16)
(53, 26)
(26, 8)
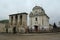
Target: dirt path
(47, 36)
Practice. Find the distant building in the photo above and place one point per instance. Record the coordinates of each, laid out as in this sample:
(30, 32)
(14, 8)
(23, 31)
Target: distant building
(38, 19)
(2, 27)
(19, 21)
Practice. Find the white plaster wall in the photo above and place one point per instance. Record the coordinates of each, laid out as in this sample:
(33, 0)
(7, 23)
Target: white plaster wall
(39, 22)
(46, 23)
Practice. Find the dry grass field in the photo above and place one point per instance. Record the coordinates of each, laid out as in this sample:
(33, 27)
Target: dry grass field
(41, 36)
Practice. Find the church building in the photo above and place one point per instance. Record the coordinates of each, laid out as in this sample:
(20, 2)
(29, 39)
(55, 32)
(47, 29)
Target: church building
(39, 20)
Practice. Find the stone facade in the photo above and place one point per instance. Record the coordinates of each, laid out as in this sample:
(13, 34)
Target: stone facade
(2, 27)
(38, 19)
(19, 21)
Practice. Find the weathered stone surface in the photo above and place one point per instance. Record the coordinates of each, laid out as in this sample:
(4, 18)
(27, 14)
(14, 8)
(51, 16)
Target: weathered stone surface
(19, 20)
(39, 18)
(2, 27)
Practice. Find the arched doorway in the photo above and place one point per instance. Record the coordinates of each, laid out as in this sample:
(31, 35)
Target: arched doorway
(36, 28)
(14, 29)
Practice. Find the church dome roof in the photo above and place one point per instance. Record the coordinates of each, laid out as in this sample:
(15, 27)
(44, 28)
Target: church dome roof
(37, 7)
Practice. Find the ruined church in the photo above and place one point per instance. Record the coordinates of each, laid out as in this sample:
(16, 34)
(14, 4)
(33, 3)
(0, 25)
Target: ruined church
(38, 21)
(17, 22)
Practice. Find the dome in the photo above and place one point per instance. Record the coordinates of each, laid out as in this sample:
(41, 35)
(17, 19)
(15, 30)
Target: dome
(37, 7)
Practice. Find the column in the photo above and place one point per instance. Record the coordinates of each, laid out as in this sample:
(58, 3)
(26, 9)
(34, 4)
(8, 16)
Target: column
(18, 21)
(9, 20)
(14, 20)
(10, 23)
(24, 20)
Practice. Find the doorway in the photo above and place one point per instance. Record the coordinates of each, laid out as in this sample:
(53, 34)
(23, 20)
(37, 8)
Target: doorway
(14, 30)
(36, 28)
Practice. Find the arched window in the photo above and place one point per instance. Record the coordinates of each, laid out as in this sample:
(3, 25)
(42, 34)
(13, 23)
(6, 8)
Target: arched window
(36, 19)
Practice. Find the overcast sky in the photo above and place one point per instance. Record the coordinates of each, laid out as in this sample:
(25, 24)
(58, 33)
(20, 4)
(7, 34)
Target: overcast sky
(51, 7)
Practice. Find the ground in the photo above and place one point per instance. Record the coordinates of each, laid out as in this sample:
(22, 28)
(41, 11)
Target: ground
(40, 36)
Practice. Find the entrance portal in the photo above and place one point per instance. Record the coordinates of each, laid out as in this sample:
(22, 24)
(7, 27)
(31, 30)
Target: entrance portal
(36, 28)
(14, 29)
